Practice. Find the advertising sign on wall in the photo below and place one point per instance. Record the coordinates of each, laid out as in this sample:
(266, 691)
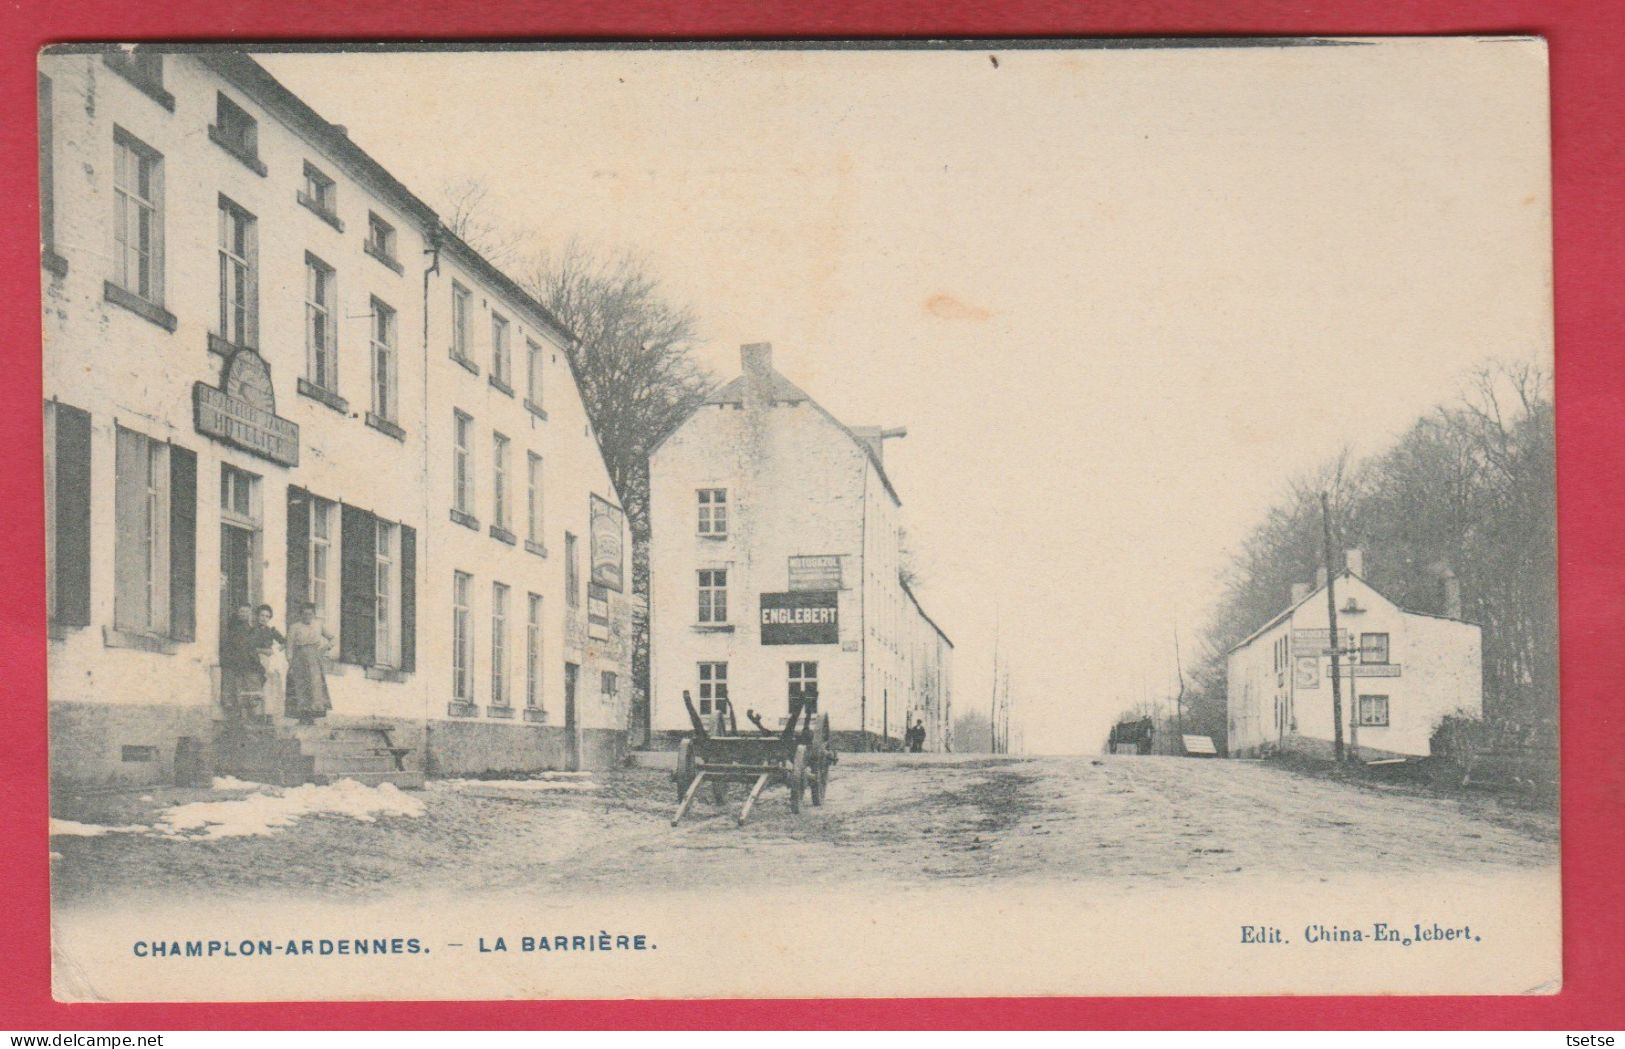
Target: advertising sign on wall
(801, 617)
(607, 558)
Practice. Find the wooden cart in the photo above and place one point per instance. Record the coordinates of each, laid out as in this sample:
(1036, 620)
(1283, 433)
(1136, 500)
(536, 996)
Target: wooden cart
(799, 759)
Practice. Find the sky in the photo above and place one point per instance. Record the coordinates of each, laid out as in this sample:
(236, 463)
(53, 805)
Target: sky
(1119, 297)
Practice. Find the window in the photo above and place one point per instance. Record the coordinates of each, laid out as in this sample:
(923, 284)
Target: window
(462, 638)
(155, 513)
(499, 350)
(321, 326)
(463, 463)
(713, 595)
(714, 511)
(237, 132)
(460, 305)
(804, 685)
(238, 276)
(144, 68)
(499, 645)
(380, 243)
(386, 648)
(499, 481)
(1373, 648)
(319, 560)
(1373, 711)
(713, 686)
(609, 684)
(533, 653)
(572, 573)
(377, 605)
(319, 194)
(137, 218)
(237, 493)
(535, 359)
(385, 381)
(533, 501)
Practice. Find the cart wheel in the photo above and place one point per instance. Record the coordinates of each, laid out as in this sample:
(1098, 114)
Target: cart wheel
(818, 775)
(684, 773)
(798, 777)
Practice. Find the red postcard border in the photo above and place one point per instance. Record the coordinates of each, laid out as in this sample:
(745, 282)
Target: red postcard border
(1588, 214)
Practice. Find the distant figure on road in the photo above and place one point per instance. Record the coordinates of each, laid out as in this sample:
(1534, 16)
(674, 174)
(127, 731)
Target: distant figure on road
(916, 737)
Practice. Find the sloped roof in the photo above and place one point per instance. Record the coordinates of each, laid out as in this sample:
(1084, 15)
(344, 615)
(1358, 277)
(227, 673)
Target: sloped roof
(1276, 620)
(921, 609)
(782, 389)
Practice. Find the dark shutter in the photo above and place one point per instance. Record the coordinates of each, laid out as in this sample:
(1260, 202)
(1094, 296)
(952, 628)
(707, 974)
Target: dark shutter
(358, 580)
(298, 591)
(409, 599)
(182, 543)
(72, 516)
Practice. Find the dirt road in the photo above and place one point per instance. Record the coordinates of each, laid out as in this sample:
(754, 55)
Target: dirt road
(905, 821)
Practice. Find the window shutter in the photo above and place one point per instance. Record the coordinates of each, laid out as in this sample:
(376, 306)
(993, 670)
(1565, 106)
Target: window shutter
(357, 582)
(182, 543)
(298, 590)
(130, 532)
(251, 249)
(72, 522)
(409, 599)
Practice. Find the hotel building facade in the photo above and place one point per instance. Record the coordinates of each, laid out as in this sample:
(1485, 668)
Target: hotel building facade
(272, 375)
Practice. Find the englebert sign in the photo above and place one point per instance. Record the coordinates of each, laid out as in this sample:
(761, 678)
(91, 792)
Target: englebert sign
(801, 617)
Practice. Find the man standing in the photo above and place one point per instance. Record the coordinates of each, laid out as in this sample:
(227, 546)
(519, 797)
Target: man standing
(241, 675)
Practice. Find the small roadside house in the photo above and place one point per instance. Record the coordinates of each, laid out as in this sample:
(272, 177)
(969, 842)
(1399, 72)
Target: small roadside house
(1401, 672)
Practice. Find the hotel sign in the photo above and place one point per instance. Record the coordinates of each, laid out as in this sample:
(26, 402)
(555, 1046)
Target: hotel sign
(801, 617)
(1376, 670)
(241, 411)
(816, 572)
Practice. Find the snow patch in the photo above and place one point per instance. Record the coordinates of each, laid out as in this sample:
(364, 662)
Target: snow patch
(71, 828)
(269, 810)
(229, 783)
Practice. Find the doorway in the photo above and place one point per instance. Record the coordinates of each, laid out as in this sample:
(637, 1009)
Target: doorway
(572, 742)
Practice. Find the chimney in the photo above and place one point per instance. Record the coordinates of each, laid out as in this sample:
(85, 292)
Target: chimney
(1354, 561)
(1320, 577)
(756, 365)
(1299, 592)
(875, 437)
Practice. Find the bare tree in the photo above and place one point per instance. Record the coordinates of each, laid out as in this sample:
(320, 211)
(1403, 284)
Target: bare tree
(464, 211)
(632, 357)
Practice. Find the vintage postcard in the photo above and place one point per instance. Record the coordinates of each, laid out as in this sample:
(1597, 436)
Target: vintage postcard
(959, 518)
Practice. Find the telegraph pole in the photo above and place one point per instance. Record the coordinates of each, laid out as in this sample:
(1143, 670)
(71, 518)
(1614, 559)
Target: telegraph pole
(1331, 619)
(1179, 698)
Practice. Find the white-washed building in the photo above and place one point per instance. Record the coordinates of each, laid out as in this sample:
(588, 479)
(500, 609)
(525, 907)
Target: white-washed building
(1401, 672)
(241, 407)
(533, 665)
(775, 570)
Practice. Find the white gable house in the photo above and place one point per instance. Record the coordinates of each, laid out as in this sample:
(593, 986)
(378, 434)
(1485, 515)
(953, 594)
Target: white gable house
(1401, 672)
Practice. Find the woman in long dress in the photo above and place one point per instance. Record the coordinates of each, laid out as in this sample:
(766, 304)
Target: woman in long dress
(308, 644)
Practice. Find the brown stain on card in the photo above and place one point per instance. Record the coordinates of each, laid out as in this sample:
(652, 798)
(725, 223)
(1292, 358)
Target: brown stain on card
(949, 308)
